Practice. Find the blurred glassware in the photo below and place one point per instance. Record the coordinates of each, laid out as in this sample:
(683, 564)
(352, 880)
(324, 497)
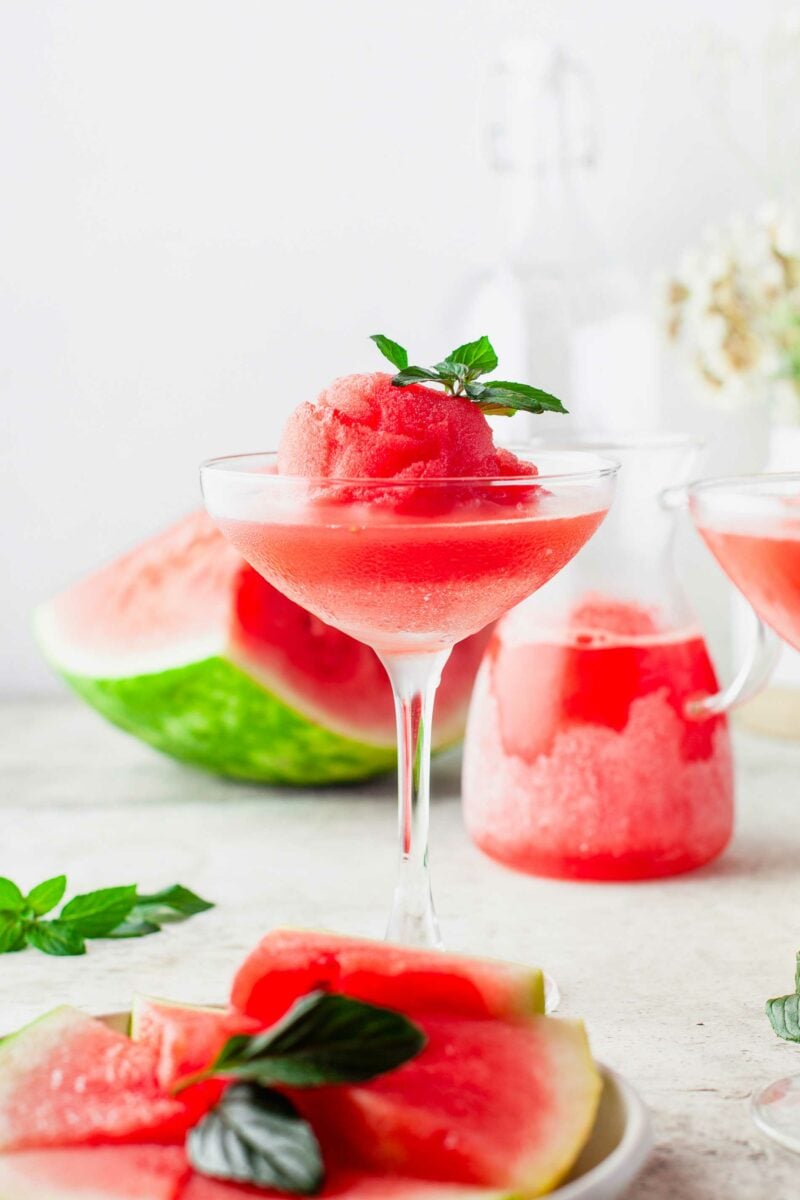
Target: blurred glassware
(562, 308)
(597, 743)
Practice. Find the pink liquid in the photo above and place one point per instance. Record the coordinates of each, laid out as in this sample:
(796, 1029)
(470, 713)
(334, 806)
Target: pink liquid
(579, 760)
(404, 584)
(765, 565)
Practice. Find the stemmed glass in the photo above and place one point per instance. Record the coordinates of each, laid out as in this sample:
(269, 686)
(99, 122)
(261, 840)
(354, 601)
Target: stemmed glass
(752, 526)
(410, 568)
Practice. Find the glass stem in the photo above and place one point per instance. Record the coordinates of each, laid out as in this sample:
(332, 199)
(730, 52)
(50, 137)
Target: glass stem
(415, 678)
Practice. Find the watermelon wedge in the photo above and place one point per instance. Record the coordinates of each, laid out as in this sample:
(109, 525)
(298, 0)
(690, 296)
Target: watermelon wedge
(162, 1173)
(287, 963)
(94, 1173)
(347, 1185)
(68, 1078)
(184, 1038)
(182, 644)
(486, 1103)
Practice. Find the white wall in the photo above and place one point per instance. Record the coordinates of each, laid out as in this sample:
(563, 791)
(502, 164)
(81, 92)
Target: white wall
(206, 206)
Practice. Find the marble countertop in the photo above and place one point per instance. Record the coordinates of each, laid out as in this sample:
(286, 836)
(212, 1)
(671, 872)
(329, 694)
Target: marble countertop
(670, 976)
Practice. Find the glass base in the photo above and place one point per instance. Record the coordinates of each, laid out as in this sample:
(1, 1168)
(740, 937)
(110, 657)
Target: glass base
(776, 1111)
(413, 921)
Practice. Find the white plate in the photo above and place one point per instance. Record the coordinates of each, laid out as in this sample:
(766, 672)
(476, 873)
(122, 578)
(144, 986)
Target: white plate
(617, 1148)
(614, 1154)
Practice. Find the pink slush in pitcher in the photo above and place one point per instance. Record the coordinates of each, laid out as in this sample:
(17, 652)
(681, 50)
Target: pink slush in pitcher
(597, 745)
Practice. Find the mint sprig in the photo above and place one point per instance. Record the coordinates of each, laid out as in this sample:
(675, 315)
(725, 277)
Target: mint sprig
(459, 373)
(784, 1011)
(256, 1135)
(118, 912)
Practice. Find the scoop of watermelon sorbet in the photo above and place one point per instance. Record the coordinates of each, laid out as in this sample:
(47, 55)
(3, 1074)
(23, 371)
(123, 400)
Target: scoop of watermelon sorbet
(362, 427)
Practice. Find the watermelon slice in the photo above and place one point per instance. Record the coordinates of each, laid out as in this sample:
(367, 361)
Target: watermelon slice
(94, 1173)
(486, 1103)
(184, 645)
(184, 1038)
(287, 963)
(346, 1185)
(161, 1173)
(68, 1078)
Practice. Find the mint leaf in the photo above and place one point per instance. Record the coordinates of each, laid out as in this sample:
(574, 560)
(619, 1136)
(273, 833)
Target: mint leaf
(11, 898)
(95, 914)
(13, 935)
(515, 396)
(416, 375)
(134, 927)
(479, 356)
(784, 1016)
(395, 353)
(45, 896)
(458, 375)
(171, 904)
(257, 1136)
(323, 1039)
(53, 937)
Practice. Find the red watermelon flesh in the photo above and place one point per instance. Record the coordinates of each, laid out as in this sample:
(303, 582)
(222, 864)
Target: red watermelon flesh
(150, 1172)
(486, 1103)
(348, 1185)
(288, 963)
(183, 644)
(94, 1173)
(184, 1038)
(68, 1078)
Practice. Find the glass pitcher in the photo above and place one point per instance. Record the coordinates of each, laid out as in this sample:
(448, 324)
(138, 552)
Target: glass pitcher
(597, 744)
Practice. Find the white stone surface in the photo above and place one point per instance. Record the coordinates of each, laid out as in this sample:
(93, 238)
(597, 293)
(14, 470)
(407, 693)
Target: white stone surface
(670, 976)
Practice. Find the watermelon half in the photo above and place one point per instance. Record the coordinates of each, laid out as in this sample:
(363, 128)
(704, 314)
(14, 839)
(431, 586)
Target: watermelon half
(184, 645)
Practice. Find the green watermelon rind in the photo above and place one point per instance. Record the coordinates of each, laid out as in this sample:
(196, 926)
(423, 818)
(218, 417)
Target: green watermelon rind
(214, 716)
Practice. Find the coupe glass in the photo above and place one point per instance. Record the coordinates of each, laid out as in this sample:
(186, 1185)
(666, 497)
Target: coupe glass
(410, 568)
(752, 526)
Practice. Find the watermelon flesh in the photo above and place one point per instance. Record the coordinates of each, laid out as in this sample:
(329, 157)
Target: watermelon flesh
(162, 1173)
(94, 1173)
(67, 1078)
(184, 645)
(486, 1103)
(184, 1038)
(287, 963)
(348, 1185)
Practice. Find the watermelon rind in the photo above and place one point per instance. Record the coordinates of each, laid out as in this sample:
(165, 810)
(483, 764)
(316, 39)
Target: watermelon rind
(212, 715)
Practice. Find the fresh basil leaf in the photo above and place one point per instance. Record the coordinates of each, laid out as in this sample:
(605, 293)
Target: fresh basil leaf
(170, 904)
(134, 927)
(415, 375)
(323, 1039)
(257, 1136)
(95, 914)
(13, 933)
(478, 357)
(11, 898)
(395, 353)
(51, 937)
(45, 896)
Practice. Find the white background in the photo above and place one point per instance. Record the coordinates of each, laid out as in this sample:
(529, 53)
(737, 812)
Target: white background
(206, 206)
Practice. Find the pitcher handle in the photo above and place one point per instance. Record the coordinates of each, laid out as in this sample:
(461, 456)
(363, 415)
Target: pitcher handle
(761, 656)
(763, 649)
